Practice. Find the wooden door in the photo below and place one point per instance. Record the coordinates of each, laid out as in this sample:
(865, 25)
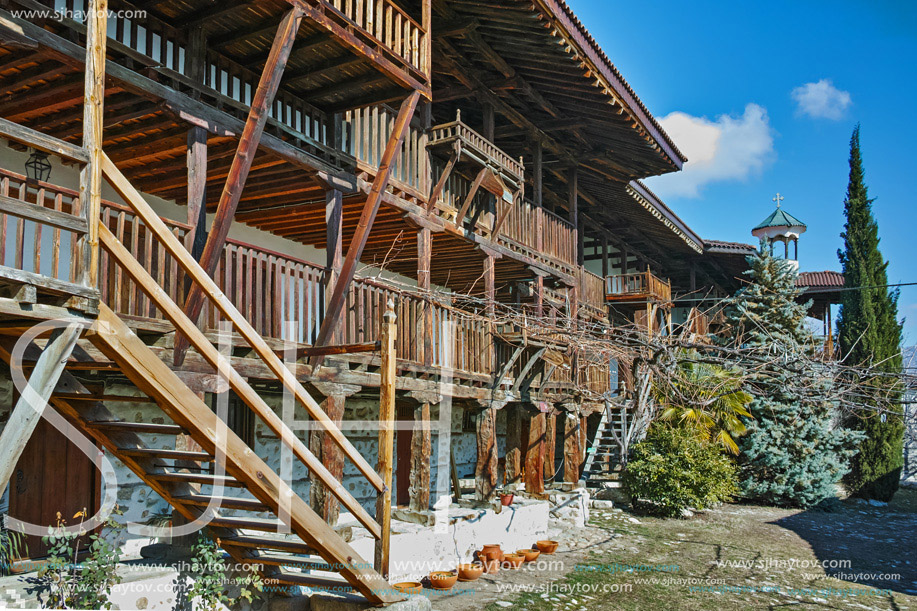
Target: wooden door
(52, 476)
(404, 413)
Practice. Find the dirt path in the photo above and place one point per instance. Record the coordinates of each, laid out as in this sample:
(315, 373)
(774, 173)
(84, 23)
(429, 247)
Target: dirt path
(735, 557)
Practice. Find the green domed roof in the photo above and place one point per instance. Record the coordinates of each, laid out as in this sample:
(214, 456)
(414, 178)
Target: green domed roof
(780, 218)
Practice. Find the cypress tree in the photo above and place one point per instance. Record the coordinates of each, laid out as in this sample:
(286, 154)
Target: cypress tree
(869, 333)
(793, 454)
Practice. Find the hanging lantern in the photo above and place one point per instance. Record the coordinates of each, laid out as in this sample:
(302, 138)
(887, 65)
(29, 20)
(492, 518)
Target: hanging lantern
(38, 167)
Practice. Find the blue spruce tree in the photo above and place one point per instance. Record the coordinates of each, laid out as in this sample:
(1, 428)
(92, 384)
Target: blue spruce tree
(794, 453)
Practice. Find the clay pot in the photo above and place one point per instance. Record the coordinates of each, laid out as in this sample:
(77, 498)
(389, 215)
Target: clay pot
(547, 547)
(492, 565)
(409, 587)
(530, 554)
(470, 572)
(506, 499)
(513, 561)
(491, 547)
(442, 580)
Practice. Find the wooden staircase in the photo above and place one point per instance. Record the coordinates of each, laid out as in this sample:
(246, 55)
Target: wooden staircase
(603, 459)
(257, 517)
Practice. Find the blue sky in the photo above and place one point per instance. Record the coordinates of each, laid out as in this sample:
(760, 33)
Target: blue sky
(763, 97)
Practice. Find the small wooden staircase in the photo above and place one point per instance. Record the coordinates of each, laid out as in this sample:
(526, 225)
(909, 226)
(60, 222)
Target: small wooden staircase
(603, 458)
(257, 517)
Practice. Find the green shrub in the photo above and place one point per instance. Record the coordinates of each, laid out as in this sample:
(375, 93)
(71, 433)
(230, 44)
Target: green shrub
(674, 469)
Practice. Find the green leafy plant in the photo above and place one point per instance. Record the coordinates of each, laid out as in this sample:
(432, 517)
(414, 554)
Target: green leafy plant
(707, 398)
(209, 577)
(674, 469)
(12, 547)
(80, 585)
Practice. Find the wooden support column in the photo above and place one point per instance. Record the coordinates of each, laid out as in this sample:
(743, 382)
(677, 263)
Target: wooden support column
(334, 231)
(535, 451)
(367, 217)
(571, 448)
(485, 471)
(93, 110)
(196, 238)
(538, 174)
(195, 68)
(512, 467)
(693, 275)
(424, 255)
(573, 202)
(242, 162)
(550, 444)
(490, 295)
(421, 451)
(31, 404)
(325, 449)
(604, 256)
(489, 120)
(386, 439)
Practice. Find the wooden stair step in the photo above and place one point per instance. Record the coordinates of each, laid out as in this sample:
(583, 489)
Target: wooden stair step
(313, 563)
(265, 524)
(284, 545)
(196, 478)
(312, 581)
(229, 502)
(166, 453)
(82, 396)
(137, 427)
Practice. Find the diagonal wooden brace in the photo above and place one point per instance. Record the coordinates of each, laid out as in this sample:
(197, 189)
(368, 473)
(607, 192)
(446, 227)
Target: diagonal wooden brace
(242, 163)
(367, 217)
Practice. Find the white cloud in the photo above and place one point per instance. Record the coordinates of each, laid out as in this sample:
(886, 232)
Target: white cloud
(729, 148)
(821, 100)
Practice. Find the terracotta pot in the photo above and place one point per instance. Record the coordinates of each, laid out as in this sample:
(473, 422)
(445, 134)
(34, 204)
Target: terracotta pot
(547, 547)
(409, 587)
(506, 499)
(490, 547)
(470, 572)
(442, 580)
(513, 561)
(530, 554)
(492, 565)
(490, 552)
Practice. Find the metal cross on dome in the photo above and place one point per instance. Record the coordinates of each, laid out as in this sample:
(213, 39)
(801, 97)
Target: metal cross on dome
(778, 198)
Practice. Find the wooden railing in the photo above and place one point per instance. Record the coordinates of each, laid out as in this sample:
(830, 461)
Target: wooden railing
(364, 133)
(390, 25)
(641, 285)
(476, 146)
(591, 292)
(558, 236)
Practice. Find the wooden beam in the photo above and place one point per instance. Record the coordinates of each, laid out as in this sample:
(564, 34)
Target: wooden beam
(441, 183)
(34, 398)
(470, 197)
(386, 438)
(424, 256)
(242, 163)
(42, 215)
(93, 121)
(571, 448)
(550, 437)
(334, 234)
(367, 217)
(323, 503)
(42, 142)
(512, 461)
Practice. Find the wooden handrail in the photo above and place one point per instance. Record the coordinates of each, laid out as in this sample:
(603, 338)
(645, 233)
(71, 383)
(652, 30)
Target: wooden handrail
(197, 275)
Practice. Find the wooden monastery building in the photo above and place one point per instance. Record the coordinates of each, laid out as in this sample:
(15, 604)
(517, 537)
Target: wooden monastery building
(248, 186)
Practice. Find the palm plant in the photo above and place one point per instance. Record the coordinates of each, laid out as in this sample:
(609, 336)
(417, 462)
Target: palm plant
(706, 397)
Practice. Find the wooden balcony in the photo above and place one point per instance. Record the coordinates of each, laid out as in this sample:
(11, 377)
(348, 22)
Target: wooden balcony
(637, 288)
(478, 148)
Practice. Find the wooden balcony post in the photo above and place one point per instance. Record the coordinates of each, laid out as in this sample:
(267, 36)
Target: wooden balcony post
(573, 200)
(537, 174)
(550, 436)
(489, 120)
(386, 438)
(571, 448)
(195, 64)
(93, 111)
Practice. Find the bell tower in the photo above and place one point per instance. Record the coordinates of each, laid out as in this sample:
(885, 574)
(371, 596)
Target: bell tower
(781, 226)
